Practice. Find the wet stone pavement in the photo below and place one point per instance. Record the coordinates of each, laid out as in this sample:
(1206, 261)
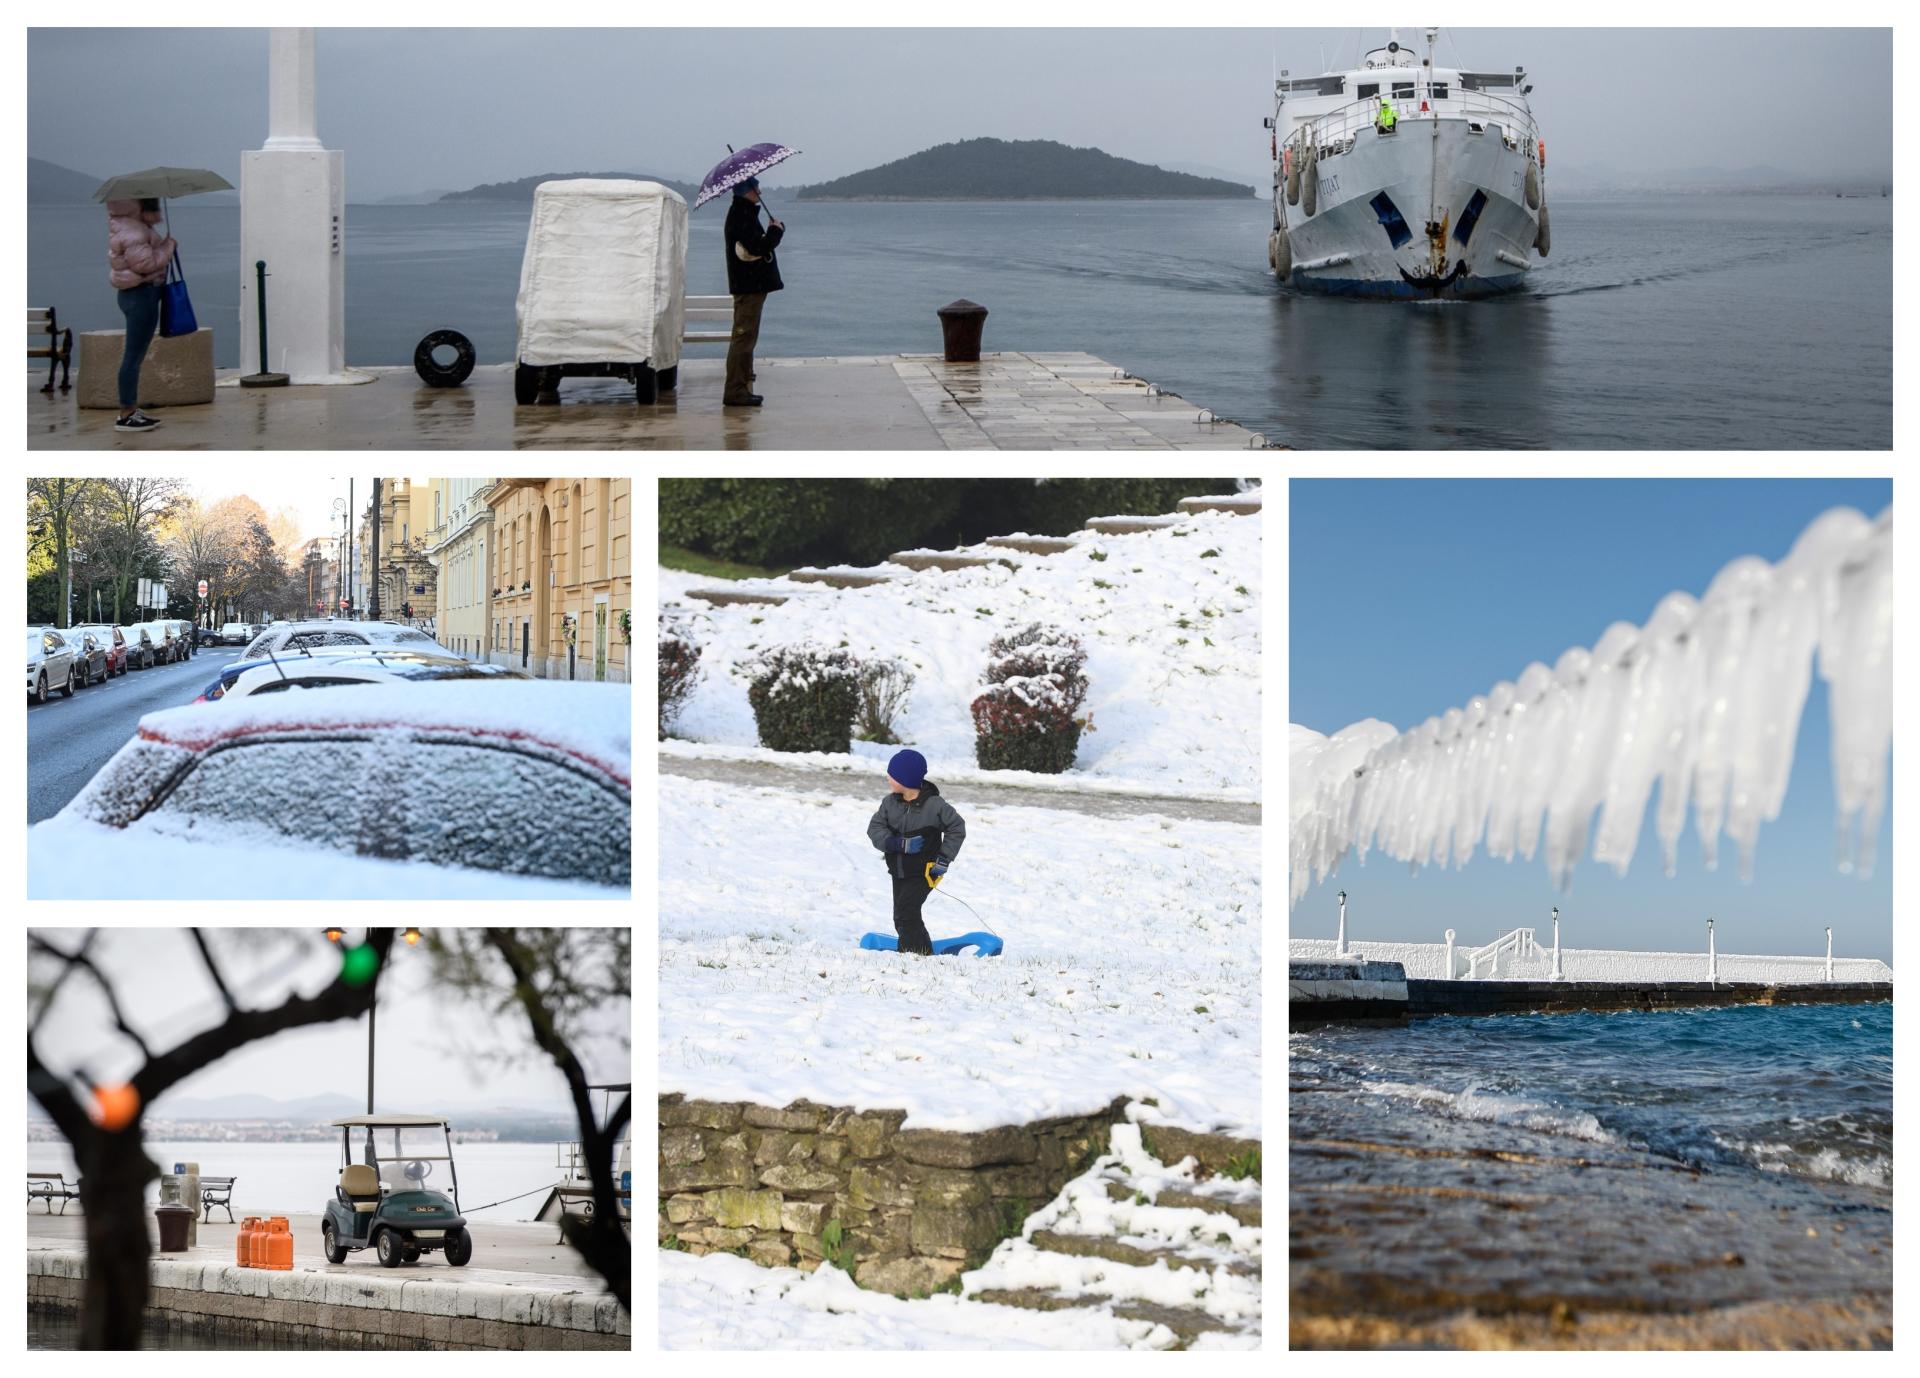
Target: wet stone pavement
(1408, 1230)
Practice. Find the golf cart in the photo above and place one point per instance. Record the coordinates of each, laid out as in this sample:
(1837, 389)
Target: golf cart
(382, 1200)
(602, 287)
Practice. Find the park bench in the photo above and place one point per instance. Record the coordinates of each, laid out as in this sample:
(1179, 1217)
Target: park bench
(708, 311)
(58, 349)
(217, 1191)
(51, 1186)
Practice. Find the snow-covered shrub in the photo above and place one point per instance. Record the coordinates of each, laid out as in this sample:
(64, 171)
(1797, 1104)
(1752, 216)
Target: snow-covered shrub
(805, 697)
(884, 686)
(679, 669)
(1029, 716)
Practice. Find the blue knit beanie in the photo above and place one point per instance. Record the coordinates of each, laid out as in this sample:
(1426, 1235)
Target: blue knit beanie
(908, 767)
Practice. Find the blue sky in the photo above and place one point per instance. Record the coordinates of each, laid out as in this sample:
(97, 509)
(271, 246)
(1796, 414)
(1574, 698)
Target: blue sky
(1409, 596)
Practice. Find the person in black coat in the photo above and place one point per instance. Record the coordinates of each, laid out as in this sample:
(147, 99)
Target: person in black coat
(752, 272)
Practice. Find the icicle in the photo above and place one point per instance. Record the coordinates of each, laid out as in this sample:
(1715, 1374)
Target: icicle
(1706, 699)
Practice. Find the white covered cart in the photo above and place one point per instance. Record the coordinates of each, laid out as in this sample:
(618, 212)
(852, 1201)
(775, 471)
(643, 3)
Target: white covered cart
(602, 287)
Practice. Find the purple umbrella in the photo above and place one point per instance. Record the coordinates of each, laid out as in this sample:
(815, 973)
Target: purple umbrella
(735, 168)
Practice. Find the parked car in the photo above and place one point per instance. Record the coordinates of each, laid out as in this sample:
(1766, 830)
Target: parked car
(89, 655)
(602, 287)
(184, 636)
(114, 640)
(366, 667)
(293, 636)
(234, 634)
(206, 636)
(518, 789)
(49, 664)
(140, 652)
(314, 663)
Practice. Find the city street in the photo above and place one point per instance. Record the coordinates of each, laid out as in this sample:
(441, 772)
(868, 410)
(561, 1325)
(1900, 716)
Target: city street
(68, 739)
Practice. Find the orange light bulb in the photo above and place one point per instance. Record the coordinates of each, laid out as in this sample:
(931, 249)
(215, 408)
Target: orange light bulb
(114, 1107)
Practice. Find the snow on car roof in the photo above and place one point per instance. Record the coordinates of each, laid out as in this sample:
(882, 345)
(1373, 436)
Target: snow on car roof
(389, 1121)
(592, 722)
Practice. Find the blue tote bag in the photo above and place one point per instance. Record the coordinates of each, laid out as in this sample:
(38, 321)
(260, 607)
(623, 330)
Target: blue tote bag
(176, 308)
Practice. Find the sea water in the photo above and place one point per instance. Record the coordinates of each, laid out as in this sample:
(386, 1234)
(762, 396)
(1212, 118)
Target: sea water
(1659, 322)
(1631, 1160)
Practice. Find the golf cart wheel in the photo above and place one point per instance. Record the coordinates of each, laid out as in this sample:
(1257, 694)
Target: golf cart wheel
(336, 1251)
(436, 374)
(526, 384)
(646, 385)
(412, 1255)
(388, 1246)
(459, 1247)
(670, 379)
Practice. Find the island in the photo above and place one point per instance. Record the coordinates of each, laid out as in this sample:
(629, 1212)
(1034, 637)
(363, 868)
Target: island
(1020, 170)
(522, 189)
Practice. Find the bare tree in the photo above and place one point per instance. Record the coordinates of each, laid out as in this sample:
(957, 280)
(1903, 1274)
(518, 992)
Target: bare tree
(201, 544)
(58, 502)
(135, 506)
(555, 977)
(114, 1167)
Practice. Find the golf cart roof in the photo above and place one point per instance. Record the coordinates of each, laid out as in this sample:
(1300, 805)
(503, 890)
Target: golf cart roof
(389, 1121)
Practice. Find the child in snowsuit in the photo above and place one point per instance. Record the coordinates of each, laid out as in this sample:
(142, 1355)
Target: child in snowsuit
(919, 834)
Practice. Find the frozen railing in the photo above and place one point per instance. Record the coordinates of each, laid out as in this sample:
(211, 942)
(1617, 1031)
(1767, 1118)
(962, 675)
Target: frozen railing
(1518, 944)
(1344, 123)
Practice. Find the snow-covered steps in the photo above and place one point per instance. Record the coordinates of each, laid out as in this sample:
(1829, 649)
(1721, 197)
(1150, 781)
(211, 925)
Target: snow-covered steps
(1139, 1238)
(1236, 504)
(948, 560)
(721, 598)
(842, 578)
(1034, 545)
(1129, 526)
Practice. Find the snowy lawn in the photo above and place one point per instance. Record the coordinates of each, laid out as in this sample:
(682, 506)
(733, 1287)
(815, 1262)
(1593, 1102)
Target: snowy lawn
(1170, 621)
(722, 1302)
(1132, 963)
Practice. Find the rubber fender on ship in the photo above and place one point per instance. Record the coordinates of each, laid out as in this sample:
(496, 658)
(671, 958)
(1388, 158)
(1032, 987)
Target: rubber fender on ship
(1293, 177)
(436, 374)
(1280, 252)
(1533, 186)
(1310, 185)
(1543, 234)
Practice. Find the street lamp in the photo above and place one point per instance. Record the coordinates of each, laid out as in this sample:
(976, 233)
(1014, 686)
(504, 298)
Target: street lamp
(334, 935)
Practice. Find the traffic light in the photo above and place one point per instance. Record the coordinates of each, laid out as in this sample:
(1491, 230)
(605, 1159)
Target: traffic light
(406, 610)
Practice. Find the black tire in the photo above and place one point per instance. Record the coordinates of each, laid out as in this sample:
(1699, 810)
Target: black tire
(646, 385)
(410, 1256)
(78, 679)
(436, 374)
(66, 690)
(459, 1247)
(40, 689)
(335, 1251)
(670, 379)
(387, 1245)
(526, 384)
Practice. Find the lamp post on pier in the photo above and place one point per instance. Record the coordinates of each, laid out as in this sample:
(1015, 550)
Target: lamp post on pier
(1556, 943)
(1712, 975)
(1340, 943)
(1829, 952)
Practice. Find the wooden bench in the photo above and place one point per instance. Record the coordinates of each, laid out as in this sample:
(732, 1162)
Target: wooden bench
(217, 1191)
(58, 349)
(708, 311)
(49, 1186)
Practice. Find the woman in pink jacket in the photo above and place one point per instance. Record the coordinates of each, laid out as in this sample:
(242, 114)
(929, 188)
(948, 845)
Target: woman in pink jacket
(137, 259)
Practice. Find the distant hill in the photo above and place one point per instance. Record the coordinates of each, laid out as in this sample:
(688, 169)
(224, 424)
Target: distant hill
(252, 1106)
(49, 184)
(1027, 169)
(522, 190)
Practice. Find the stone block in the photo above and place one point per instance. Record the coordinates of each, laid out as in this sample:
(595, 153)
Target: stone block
(438, 1328)
(177, 372)
(949, 1148)
(686, 1207)
(798, 1177)
(877, 1184)
(606, 1314)
(1029, 1182)
(945, 1188)
(716, 1237)
(702, 1114)
(953, 1231)
(886, 1234)
(867, 1135)
(681, 1146)
(770, 1252)
(723, 1167)
(773, 1147)
(516, 1306)
(906, 1277)
(580, 1311)
(495, 1335)
(829, 1151)
(802, 1217)
(809, 1246)
(737, 1209)
(802, 1116)
(486, 1303)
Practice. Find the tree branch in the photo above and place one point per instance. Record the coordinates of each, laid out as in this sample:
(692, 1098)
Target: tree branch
(61, 1105)
(212, 970)
(61, 979)
(80, 959)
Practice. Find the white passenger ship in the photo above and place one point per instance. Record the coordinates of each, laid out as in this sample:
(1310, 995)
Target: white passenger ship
(1400, 178)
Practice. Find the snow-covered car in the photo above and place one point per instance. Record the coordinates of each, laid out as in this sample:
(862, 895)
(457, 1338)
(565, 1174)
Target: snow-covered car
(234, 634)
(140, 652)
(185, 641)
(49, 664)
(291, 636)
(602, 287)
(161, 637)
(421, 791)
(114, 640)
(89, 655)
(368, 666)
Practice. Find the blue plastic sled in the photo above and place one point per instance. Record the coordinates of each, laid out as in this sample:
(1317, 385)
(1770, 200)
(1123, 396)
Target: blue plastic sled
(984, 944)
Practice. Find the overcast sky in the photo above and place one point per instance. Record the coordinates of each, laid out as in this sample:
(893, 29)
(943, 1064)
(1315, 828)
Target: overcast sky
(418, 109)
(434, 1053)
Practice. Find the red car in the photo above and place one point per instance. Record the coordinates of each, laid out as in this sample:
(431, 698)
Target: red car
(115, 642)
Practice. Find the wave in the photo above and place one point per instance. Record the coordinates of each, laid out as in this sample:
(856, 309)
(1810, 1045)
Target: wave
(1492, 1108)
(1827, 1164)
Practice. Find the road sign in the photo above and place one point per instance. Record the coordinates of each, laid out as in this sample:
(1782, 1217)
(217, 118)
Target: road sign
(203, 588)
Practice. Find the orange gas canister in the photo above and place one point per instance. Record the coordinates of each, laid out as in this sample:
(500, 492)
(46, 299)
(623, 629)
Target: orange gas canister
(275, 1250)
(243, 1242)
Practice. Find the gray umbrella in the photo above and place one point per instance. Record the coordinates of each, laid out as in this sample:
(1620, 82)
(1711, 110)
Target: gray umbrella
(163, 182)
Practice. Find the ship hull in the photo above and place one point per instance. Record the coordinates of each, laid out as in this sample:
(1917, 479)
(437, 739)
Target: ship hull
(1428, 172)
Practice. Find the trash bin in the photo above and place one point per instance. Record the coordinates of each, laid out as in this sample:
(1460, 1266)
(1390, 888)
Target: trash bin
(962, 322)
(173, 1228)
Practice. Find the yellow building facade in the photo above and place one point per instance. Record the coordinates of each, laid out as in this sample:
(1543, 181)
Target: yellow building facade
(460, 546)
(561, 590)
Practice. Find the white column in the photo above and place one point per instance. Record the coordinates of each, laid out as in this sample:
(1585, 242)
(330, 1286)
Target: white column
(1449, 954)
(1340, 943)
(290, 90)
(1829, 952)
(1556, 943)
(1711, 976)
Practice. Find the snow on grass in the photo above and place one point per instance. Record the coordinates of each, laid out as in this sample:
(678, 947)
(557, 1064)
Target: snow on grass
(722, 1302)
(1170, 620)
(1132, 964)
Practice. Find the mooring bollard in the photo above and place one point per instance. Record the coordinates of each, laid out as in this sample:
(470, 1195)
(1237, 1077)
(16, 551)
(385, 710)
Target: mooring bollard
(1449, 954)
(1556, 943)
(1829, 952)
(1711, 976)
(1340, 942)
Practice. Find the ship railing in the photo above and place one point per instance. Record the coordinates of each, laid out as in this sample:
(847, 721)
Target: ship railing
(1335, 130)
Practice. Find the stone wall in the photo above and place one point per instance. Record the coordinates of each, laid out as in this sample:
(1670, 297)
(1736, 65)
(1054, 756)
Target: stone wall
(914, 1207)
